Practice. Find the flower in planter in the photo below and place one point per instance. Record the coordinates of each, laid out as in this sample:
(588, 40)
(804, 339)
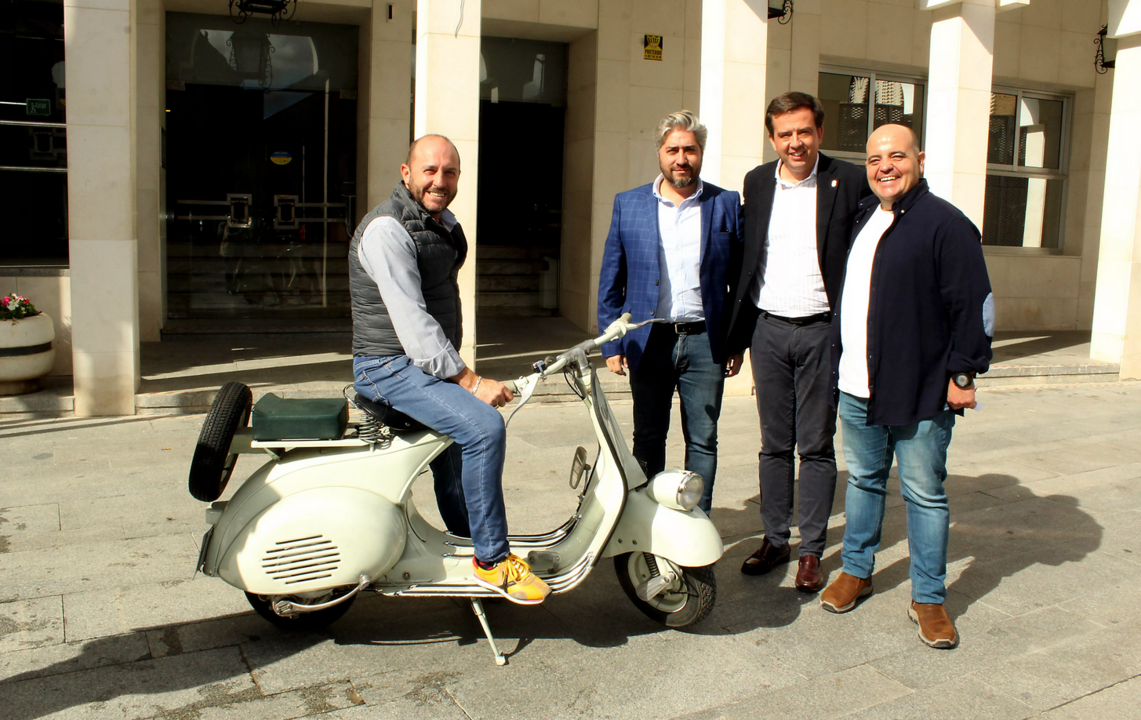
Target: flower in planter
(16, 307)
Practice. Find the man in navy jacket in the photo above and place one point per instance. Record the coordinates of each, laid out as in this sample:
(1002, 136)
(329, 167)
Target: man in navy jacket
(667, 257)
(912, 329)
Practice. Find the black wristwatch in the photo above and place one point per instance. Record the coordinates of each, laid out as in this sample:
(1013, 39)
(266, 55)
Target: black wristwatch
(962, 380)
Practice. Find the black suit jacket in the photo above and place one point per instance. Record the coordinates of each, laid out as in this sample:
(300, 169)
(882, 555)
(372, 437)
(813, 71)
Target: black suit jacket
(839, 188)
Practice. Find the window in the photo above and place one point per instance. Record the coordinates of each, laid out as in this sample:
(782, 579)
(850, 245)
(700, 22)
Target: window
(857, 102)
(33, 138)
(1026, 181)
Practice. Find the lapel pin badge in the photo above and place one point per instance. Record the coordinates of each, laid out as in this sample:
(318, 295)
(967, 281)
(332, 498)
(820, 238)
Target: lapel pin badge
(835, 183)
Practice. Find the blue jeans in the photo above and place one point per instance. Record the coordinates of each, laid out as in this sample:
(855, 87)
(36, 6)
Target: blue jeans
(468, 474)
(684, 363)
(921, 449)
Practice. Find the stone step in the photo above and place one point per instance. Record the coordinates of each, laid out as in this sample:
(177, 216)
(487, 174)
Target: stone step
(507, 298)
(508, 283)
(56, 396)
(509, 267)
(512, 252)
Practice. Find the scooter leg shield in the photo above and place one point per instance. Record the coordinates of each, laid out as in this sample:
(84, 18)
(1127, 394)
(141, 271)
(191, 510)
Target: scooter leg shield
(687, 538)
(314, 540)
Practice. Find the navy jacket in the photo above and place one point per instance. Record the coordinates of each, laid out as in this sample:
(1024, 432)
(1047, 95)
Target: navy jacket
(930, 310)
(630, 272)
(840, 186)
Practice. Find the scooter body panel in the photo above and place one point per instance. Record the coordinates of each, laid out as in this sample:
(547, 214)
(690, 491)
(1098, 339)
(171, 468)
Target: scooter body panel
(386, 474)
(689, 538)
(313, 540)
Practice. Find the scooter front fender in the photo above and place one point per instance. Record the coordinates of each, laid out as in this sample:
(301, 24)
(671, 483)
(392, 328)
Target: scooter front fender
(687, 538)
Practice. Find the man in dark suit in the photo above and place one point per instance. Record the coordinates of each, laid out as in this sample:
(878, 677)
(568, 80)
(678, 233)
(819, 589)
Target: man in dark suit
(798, 220)
(667, 256)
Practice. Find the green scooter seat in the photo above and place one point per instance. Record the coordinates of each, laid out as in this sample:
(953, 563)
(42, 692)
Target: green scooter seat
(276, 418)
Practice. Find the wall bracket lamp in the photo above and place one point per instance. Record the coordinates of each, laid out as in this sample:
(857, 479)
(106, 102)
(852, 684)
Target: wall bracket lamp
(1105, 58)
(277, 10)
(781, 11)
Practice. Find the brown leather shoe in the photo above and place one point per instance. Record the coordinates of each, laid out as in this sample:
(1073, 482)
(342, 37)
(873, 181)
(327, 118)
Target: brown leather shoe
(808, 576)
(765, 559)
(935, 628)
(843, 594)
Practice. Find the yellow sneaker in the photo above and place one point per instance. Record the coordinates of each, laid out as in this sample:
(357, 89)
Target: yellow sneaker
(512, 578)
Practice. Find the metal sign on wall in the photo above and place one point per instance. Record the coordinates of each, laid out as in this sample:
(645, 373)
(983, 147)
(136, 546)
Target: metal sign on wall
(652, 47)
(36, 106)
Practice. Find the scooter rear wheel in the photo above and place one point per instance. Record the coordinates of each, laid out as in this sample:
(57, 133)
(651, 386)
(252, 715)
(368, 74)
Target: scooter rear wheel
(302, 622)
(213, 463)
(686, 601)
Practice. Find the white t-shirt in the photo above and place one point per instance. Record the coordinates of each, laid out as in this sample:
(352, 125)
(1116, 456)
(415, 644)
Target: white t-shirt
(854, 305)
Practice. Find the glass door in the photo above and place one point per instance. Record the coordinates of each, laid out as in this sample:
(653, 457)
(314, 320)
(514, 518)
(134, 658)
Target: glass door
(261, 149)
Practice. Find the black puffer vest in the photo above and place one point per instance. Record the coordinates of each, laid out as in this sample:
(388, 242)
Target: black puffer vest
(439, 256)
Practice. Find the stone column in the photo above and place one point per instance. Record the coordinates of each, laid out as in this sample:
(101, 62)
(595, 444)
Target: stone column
(734, 95)
(384, 103)
(958, 102)
(150, 108)
(734, 56)
(1117, 296)
(447, 103)
(100, 66)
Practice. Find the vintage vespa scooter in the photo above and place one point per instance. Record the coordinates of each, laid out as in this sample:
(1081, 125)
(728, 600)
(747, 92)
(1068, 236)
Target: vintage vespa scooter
(331, 512)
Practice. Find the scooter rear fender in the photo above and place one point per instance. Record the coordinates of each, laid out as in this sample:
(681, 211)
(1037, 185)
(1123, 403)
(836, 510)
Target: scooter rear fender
(387, 473)
(313, 540)
(687, 538)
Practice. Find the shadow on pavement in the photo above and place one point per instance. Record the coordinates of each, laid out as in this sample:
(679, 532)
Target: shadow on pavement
(999, 541)
(110, 673)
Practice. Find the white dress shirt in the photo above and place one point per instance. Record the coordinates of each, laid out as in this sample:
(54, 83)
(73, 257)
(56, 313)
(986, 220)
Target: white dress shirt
(679, 256)
(789, 283)
(857, 295)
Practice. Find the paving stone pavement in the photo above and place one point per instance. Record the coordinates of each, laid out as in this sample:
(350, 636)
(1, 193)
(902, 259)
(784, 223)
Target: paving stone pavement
(101, 614)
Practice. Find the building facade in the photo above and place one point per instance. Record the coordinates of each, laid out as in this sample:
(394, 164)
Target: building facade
(178, 167)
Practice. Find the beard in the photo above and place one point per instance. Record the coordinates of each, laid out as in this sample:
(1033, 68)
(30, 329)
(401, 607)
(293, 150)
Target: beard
(417, 193)
(683, 181)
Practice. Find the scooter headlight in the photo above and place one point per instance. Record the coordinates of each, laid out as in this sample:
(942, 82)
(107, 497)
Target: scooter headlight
(677, 489)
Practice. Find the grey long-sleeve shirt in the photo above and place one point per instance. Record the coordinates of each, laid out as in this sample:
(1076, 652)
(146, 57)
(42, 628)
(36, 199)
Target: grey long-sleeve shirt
(388, 254)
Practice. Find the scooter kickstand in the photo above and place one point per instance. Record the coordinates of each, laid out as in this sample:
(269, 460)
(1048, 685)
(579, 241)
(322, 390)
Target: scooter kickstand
(477, 607)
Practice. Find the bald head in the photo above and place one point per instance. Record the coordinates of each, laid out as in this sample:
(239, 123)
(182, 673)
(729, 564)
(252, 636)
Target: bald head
(435, 142)
(432, 173)
(894, 164)
(894, 131)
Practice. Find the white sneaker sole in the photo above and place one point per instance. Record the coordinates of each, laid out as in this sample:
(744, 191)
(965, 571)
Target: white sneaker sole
(845, 608)
(941, 644)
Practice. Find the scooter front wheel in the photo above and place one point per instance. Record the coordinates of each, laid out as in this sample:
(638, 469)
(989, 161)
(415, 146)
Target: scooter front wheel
(671, 594)
(303, 622)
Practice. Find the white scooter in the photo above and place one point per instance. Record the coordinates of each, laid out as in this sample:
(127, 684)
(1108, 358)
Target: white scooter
(331, 513)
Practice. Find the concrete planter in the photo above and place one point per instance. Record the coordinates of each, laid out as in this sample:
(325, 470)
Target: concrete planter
(26, 353)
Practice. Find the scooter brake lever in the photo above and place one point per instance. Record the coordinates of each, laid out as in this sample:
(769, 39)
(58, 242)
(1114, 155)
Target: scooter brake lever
(635, 326)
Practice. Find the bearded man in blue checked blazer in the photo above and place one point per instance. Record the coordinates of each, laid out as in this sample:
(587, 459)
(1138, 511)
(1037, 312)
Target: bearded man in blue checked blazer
(667, 257)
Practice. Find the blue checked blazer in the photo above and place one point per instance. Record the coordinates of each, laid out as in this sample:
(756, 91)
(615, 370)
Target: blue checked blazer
(631, 273)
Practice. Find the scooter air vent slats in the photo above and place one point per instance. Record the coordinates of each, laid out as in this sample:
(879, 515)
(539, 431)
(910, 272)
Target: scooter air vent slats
(301, 560)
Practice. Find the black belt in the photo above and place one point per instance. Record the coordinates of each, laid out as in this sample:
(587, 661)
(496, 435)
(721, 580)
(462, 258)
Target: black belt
(689, 328)
(806, 320)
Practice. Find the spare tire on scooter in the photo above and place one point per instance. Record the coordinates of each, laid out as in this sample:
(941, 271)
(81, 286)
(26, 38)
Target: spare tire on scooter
(212, 464)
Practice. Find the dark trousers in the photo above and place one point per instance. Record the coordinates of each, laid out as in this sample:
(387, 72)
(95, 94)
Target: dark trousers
(683, 363)
(791, 371)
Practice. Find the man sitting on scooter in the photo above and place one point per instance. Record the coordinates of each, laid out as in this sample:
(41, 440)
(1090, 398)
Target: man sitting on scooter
(403, 264)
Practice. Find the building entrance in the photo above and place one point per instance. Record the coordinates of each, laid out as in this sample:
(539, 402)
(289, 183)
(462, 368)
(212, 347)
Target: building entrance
(260, 160)
(521, 118)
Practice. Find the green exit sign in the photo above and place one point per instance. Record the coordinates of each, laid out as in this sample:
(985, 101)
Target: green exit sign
(37, 106)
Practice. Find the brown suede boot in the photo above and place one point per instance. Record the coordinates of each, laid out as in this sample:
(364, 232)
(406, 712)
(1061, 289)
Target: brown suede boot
(935, 628)
(843, 594)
